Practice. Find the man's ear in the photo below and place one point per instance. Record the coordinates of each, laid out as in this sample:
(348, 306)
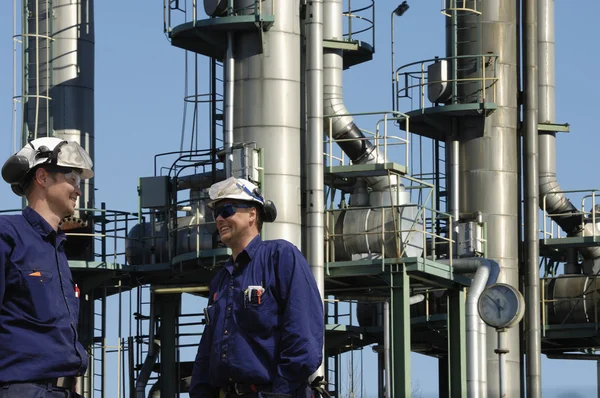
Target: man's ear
(254, 213)
(41, 176)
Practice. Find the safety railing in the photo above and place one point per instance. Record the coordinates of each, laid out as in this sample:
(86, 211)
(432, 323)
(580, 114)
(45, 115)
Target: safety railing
(408, 230)
(474, 81)
(359, 22)
(386, 144)
(570, 300)
(588, 212)
(448, 6)
(109, 234)
(178, 12)
(402, 236)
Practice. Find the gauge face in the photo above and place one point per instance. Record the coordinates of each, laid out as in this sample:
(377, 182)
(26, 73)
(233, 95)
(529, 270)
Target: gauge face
(501, 306)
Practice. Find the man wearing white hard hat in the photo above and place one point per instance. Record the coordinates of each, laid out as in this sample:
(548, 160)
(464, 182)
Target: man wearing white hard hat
(264, 321)
(40, 355)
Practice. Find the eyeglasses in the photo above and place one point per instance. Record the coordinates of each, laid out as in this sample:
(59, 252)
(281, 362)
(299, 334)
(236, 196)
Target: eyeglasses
(73, 178)
(228, 210)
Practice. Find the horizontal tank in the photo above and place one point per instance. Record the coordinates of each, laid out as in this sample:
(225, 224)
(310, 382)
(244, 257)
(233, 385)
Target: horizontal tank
(362, 233)
(148, 244)
(572, 299)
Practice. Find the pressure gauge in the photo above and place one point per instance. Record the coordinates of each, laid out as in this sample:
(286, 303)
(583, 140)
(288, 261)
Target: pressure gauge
(501, 306)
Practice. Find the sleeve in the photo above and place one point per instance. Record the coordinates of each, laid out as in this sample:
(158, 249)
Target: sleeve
(5, 250)
(200, 383)
(302, 331)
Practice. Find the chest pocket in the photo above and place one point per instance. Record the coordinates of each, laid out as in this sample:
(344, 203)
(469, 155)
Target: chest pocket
(40, 294)
(259, 318)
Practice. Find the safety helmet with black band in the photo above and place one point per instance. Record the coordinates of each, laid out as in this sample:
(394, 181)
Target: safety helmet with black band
(51, 152)
(244, 190)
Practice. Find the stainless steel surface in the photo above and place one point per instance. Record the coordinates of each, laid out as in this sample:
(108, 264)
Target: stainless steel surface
(267, 109)
(454, 178)
(370, 233)
(502, 367)
(556, 202)
(572, 299)
(469, 240)
(147, 243)
(488, 157)
(215, 8)
(315, 201)
(355, 145)
(486, 273)
(386, 348)
(533, 333)
(229, 89)
(63, 70)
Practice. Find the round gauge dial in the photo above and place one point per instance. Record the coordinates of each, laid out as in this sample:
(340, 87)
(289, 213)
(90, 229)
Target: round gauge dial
(501, 306)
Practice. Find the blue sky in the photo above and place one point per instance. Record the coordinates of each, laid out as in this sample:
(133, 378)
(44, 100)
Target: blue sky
(139, 107)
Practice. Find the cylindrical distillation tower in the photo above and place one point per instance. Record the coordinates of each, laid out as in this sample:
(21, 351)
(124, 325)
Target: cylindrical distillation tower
(488, 158)
(267, 108)
(58, 75)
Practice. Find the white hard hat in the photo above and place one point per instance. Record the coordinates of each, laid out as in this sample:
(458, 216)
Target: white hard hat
(47, 150)
(235, 188)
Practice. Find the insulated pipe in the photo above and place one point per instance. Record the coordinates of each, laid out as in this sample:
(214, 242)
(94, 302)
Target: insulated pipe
(455, 182)
(314, 151)
(228, 106)
(342, 126)
(386, 349)
(486, 274)
(533, 339)
(556, 202)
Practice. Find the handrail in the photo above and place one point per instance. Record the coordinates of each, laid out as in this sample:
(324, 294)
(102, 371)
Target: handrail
(353, 14)
(421, 75)
(586, 300)
(551, 230)
(190, 11)
(401, 240)
(380, 138)
(454, 7)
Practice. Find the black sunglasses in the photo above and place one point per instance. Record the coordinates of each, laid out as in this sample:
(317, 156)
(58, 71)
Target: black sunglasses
(228, 210)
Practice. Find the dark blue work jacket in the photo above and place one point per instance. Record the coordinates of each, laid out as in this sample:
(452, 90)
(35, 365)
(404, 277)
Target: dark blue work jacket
(38, 304)
(275, 341)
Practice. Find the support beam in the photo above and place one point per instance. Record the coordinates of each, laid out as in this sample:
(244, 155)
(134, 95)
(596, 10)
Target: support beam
(169, 369)
(443, 379)
(457, 343)
(400, 300)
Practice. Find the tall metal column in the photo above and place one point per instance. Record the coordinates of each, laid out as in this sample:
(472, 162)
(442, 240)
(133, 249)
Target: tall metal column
(400, 300)
(58, 75)
(488, 158)
(267, 108)
(533, 334)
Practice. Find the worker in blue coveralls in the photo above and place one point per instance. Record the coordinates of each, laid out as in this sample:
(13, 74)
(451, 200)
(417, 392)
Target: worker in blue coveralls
(264, 321)
(40, 355)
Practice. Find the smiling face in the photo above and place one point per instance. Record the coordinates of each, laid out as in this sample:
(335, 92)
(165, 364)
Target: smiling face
(62, 191)
(237, 229)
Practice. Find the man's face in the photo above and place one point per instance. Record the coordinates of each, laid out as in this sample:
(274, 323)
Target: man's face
(234, 220)
(62, 192)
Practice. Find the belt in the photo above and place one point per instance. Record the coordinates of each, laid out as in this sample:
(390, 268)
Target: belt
(243, 389)
(65, 383)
